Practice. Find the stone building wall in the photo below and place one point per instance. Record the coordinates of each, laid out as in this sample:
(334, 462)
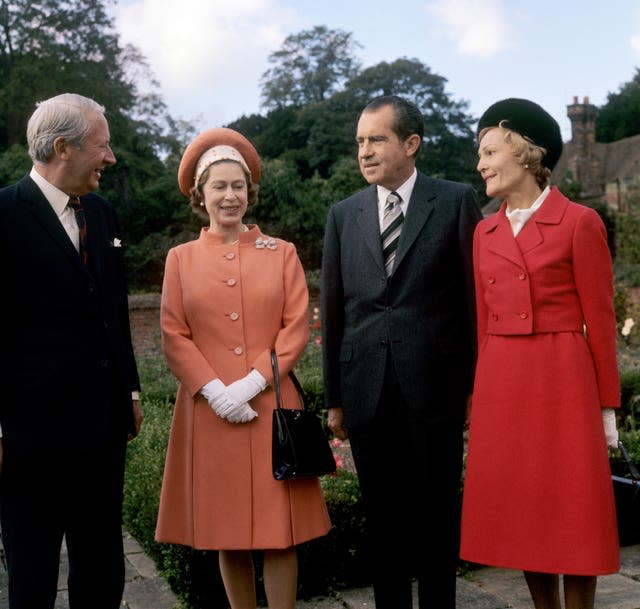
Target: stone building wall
(144, 316)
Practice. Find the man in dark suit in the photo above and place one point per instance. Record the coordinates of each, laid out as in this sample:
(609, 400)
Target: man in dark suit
(69, 379)
(398, 338)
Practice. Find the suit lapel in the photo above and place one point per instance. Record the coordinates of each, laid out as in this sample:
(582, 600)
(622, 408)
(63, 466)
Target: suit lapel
(531, 236)
(421, 206)
(369, 224)
(45, 216)
(501, 241)
(94, 240)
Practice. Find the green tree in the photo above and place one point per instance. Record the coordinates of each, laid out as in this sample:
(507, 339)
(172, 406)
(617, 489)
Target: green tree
(449, 145)
(49, 47)
(309, 67)
(620, 116)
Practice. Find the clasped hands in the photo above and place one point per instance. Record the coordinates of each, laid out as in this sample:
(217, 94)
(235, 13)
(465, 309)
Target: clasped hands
(232, 402)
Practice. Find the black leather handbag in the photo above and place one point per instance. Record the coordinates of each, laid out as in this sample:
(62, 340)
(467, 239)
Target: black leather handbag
(626, 490)
(299, 444)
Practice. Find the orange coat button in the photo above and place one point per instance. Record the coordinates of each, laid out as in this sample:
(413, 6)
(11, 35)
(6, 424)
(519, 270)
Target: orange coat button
(231, 281)
(238, 350)
(234, 316)
(230, 256)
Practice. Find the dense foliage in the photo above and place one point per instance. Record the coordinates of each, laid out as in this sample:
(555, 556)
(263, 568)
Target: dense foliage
(312, 95)
(620, 116)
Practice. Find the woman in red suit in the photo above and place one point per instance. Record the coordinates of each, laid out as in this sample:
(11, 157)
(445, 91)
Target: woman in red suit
(538, 494)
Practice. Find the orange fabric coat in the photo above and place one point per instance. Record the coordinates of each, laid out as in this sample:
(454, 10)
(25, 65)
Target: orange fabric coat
(538, 493)
(224, 306)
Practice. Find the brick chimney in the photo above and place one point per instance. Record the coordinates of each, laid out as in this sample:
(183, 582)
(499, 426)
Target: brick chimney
(582, 161)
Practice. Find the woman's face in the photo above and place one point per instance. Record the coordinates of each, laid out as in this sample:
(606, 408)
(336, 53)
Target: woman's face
(500, 169)
(225, 194)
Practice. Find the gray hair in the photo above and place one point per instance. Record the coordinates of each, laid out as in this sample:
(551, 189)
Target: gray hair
(65, 116)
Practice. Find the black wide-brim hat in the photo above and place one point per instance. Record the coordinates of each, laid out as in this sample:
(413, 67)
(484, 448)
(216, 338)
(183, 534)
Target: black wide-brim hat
(529, 120)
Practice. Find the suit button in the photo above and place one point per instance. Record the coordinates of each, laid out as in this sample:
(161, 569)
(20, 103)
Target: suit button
(238, 350)
(230, 255)
(494, 317)
(234, 316)
(522, 276)
(231, 282)
(491, 279)
(524, 315)
(104, 363)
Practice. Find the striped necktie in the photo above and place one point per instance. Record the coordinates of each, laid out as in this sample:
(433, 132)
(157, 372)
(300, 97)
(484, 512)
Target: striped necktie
(78, 210)
(392, 219)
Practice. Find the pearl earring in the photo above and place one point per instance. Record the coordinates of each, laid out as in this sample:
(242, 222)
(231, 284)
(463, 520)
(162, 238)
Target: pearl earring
(526, 166)
(202, 203)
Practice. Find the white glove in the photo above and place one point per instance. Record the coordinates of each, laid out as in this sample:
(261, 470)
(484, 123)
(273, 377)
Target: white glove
(247, 388)
(225, 407)
(610, 430)
(241, 413)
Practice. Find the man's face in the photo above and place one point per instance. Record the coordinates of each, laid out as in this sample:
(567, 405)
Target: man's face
(85, 164)
(383, 158)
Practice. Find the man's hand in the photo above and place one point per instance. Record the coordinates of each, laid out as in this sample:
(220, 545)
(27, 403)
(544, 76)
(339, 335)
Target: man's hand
(335, 418)
(138, 417)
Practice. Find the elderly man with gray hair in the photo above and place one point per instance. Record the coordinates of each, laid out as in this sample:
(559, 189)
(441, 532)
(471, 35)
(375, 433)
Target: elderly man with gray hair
(67, 369)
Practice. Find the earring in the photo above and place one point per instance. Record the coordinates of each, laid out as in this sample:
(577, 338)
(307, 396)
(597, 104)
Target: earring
(526, 166)
(202, 202)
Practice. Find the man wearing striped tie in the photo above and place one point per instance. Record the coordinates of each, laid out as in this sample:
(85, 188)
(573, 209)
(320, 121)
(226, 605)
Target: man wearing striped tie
(398, 323)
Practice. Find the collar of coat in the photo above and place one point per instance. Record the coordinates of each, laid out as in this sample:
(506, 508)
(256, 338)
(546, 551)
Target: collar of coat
(550, 212)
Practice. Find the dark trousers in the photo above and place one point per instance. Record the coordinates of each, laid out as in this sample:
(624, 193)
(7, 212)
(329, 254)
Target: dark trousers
(78, 497)
(400, 458)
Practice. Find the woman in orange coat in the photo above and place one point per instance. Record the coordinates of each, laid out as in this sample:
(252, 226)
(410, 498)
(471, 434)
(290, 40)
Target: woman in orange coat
(538, 494)
(228, 298)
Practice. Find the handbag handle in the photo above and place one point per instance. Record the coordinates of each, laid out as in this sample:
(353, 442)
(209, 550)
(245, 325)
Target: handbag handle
(630, 464)
(276, 380)
(276, 376)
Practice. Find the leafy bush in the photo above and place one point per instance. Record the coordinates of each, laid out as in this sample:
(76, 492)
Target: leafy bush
(337, 560)
(628, 419)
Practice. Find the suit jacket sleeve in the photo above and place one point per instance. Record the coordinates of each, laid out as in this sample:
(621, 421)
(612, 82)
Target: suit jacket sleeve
(593, 273)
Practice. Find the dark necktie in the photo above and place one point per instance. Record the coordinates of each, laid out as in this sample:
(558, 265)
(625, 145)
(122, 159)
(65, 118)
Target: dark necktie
(78, 210)
(391, 227)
